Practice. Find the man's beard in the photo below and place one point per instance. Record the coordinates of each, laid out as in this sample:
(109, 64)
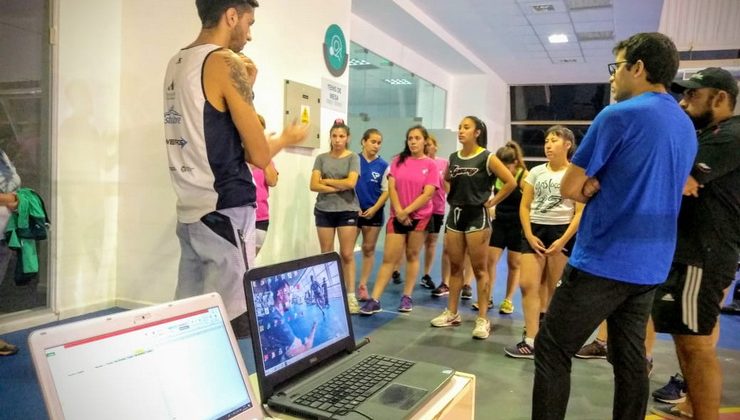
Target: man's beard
(702, 120)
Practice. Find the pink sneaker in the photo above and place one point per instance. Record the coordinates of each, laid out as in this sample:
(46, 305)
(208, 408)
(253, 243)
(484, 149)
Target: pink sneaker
(362, 295)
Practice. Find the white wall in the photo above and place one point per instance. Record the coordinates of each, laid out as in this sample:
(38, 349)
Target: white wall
(287, 44)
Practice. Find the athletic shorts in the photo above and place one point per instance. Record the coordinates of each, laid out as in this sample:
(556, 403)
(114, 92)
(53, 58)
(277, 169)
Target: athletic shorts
(435, 225)
(417, 225)
(467, 219)
(335, 219)
(213, 253)
(688, 303)
(261, 232)
(506, 234)
(375, 221)
(548, 234)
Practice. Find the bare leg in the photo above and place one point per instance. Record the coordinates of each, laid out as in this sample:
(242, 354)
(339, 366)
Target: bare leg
(455, 244)
(513, 260)
(533, 267)
(697, 355)
(326, 238)
(493, 256)
(430, 245)
(468, 273)
(347, 237)
(478, 252)
(414, 242)
(369, 240)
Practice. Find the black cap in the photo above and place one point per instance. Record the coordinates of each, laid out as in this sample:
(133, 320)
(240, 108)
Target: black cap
(710, 77)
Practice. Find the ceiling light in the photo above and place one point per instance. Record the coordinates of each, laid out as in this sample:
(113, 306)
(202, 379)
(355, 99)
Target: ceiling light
(358, 62)
(557, 38)
(397, 81)
(543, 8)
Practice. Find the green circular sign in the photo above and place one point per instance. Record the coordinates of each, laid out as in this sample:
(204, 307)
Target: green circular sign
(335, 50)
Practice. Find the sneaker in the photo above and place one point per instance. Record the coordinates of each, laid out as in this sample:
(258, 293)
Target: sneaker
(446, 319)
(521, 350)
(7, 349)
(371, 306)
(362, 294)
(592, 350)
(396, 277)
(482, 328)
(490, 305)
(467, 292)
(442, 290)
(673, 392)
(354, 306)
(671, 412)
(406, 304)
(506, 307)
(427, 282)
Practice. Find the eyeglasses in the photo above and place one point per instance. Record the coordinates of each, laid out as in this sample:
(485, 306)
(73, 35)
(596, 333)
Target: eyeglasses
(614, 66)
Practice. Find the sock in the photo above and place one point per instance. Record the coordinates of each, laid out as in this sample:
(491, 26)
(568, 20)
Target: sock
(601, 342)
(529, 341)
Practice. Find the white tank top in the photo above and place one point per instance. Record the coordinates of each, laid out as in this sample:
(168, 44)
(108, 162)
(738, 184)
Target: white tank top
(204, 149)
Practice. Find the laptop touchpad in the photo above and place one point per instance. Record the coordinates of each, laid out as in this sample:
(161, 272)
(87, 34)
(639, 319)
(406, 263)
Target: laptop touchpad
(401, 396)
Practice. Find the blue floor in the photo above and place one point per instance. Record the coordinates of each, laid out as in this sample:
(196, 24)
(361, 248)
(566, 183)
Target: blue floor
(20, 396)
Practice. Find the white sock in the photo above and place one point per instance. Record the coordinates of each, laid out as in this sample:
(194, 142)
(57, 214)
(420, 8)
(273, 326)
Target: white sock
(529, 341)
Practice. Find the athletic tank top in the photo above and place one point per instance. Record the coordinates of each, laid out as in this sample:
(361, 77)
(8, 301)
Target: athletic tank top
(204, 149)
(470, 179)
(509, 207)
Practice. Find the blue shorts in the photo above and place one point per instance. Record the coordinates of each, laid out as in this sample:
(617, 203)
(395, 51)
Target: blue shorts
(375, 221)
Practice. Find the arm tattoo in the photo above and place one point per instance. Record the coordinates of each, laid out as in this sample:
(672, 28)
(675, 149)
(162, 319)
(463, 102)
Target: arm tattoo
(239, 80)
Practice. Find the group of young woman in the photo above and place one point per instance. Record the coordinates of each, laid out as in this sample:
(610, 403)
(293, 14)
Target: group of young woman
(529, 218)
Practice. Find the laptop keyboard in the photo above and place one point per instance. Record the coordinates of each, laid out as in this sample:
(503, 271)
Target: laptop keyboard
(350, 388)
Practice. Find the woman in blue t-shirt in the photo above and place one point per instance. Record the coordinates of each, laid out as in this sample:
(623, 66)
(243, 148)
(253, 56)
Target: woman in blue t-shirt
(372, 191)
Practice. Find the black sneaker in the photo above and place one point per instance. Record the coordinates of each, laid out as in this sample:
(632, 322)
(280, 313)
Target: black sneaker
(467, 292)
(427, 282)
(396, 276)
(673, 392)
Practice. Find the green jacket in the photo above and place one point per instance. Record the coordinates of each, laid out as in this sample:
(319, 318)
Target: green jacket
(26, 226)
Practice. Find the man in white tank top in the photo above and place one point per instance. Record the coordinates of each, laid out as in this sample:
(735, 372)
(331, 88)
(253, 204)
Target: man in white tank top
(211, 132)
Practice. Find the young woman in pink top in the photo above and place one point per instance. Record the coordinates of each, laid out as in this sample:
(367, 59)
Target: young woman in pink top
(412, 181)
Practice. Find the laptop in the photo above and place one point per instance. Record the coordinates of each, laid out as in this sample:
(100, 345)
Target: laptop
(303, 342)
(177, 360)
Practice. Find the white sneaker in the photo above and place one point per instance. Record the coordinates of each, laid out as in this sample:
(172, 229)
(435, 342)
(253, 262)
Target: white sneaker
(353, 304)
(446, 319)
(482, 328)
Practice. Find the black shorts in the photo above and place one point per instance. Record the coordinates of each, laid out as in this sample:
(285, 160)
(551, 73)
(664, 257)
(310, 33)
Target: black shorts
(417, 225)
(335, 219)
(262, 225)
(467, 219)
(506, 234)
(375, 221)
(548, 234)
(435, 225)
(688, 303)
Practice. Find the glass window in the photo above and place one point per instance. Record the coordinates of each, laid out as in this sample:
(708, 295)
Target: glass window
(390, 98)
(24, 132)
(558, 102)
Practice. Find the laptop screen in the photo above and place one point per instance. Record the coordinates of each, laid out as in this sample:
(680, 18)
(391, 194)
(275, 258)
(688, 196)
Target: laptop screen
(300, 309)
(178, 367)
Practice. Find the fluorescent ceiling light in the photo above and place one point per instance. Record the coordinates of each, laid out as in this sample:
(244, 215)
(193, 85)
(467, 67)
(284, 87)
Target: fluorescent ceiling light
(557, 38)
(397, 81)
(358, 62)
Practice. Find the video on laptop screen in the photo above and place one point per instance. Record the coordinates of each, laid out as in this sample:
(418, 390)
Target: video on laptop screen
(176, 368)
(299, 313)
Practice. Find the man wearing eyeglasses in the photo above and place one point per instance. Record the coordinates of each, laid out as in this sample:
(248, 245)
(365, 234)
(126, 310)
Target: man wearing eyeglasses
(687, 305)
(630, 170)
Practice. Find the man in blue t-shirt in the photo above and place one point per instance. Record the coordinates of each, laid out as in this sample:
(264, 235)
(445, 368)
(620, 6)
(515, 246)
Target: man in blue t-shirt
(630, 169)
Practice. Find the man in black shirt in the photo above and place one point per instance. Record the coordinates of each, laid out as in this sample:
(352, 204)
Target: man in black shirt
(687, 305)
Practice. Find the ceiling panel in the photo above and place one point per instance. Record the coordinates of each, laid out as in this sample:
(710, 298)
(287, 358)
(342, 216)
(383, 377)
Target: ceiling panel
(499, 32)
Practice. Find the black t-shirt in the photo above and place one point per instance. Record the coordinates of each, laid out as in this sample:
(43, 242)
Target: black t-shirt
(709, 225)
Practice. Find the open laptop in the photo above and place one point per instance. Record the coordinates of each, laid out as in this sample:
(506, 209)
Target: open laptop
(302, 338)
(177, 360)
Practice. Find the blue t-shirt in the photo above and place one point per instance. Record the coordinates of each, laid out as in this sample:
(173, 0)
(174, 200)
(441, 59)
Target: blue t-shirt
(641, 150)
(371, 182)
